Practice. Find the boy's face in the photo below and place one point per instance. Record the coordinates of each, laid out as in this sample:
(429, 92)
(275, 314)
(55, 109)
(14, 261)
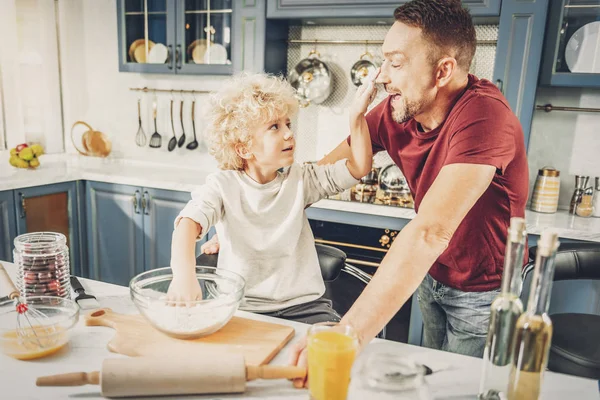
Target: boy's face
(273, 144)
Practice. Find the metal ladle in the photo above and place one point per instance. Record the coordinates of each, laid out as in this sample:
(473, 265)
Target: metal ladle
(173, 140)
(182, 138)
(193, 145)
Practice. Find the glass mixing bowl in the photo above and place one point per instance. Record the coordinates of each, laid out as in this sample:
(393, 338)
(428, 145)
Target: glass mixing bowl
(29, 336)
(222, 292)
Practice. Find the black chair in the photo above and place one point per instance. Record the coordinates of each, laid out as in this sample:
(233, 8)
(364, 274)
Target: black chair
(575, 348)
(343, 282)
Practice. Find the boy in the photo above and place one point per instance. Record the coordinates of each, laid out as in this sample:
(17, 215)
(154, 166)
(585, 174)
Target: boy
(257, 209)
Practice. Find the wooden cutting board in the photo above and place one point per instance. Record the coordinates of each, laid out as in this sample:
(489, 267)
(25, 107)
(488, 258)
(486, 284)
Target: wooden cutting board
(258, 341)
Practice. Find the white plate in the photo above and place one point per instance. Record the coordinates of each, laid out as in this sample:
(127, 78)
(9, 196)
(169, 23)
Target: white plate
(158, 54)
(215, 54)
(582, 52)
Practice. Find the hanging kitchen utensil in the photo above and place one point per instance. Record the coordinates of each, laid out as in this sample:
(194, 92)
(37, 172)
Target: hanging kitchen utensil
(173, 141)
(153, 376)
(362, 68)
(140, 137)
(155, 139)
(94, 143)
(193, 145)
(312, 80)
(182, 138)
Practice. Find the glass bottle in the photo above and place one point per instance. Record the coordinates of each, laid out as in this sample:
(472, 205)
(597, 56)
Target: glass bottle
(505, 310)
(534, 327)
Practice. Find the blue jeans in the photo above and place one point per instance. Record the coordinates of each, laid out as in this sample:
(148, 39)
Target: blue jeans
(454, 320)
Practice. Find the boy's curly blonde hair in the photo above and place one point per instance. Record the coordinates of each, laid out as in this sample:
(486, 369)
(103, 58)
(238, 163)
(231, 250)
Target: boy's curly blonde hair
(244, 102)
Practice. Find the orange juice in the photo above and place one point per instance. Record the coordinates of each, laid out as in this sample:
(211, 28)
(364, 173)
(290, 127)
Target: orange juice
(331, 354)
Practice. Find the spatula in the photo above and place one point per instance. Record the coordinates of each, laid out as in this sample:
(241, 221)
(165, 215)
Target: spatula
(155, 139)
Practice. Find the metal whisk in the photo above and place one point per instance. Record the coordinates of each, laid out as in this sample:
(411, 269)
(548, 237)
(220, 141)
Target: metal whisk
(28, 318)
(140, 137)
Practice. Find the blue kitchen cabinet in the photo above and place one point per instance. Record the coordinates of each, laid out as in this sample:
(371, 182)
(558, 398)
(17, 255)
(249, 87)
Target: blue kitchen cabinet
(115, 232)
(129, 229)
(518, 55)
(204, 37)
(305, 9)
(8, 227)
(160, 208)
(569, 53)
(51, 208)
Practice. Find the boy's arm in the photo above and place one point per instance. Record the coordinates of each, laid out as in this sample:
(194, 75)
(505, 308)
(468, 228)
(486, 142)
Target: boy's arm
(204, 210)
(360, 153)
(341, 152)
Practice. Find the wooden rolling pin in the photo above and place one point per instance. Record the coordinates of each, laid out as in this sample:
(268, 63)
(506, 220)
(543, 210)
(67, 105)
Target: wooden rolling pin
(152, 376)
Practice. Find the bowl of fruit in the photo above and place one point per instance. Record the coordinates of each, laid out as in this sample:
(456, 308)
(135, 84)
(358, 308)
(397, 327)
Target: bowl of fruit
(26, 156)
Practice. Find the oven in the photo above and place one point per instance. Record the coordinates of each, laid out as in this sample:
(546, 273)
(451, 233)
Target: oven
(365, 247)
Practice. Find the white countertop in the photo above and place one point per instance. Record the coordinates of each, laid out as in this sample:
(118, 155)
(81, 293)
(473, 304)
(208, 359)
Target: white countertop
(65, 168)
(455, 377)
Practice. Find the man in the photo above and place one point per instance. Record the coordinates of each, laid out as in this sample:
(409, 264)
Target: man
(462, 152)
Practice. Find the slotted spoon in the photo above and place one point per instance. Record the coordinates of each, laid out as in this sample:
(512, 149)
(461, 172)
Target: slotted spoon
(155, 139)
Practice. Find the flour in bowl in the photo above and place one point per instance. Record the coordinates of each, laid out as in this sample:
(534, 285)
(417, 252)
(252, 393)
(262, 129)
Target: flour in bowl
(190, 321)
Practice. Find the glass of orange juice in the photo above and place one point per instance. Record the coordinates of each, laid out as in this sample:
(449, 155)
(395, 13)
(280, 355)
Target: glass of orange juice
(331, 352)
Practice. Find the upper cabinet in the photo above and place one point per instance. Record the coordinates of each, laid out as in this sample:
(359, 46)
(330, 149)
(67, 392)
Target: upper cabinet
(303, 9)
(572, 45)
(204, 37)
(518, 55)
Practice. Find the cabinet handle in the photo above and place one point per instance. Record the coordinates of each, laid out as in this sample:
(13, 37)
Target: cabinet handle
(500, 85)
(170, 58)
(134, 201)
(23, 206)
(178, 56)
(146, 203)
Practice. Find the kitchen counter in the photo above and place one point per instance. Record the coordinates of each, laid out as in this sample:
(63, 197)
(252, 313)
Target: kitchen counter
(455, 376)
(64, 168)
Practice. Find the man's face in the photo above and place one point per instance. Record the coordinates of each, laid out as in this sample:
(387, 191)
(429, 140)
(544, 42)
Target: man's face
(407, 72)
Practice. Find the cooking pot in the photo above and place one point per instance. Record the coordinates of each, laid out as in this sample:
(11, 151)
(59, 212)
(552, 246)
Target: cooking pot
(372, 177)
(362, 68)
(392, 180)
(312, 80)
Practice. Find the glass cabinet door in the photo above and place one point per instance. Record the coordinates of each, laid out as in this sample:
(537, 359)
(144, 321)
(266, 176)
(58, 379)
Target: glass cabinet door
(146, 35)
(204, 32)
(573, 44)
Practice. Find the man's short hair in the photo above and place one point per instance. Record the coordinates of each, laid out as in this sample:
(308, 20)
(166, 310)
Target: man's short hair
(446, 24)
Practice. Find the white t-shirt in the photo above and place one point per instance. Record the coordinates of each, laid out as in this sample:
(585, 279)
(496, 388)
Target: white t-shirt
(264, 234)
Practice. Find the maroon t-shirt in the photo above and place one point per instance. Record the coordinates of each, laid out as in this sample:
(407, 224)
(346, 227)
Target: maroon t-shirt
(480, 129)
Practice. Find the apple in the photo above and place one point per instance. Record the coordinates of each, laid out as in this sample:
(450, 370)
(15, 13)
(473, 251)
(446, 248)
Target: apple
(21, 146)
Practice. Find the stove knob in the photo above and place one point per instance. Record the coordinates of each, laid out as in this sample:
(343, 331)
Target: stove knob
(384, 240)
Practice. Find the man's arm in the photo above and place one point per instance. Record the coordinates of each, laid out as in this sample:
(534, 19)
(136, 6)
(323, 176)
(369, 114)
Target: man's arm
(341, 152)
(452, 195)
(418, 245)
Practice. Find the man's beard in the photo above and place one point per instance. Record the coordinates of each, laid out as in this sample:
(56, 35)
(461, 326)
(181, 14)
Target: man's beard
(405, 110)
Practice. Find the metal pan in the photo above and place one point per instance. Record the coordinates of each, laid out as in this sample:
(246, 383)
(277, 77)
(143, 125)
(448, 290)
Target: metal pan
(312, 80)
(362, 68)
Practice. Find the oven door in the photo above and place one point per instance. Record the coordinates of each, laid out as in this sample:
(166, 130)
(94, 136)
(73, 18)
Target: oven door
(365, 247)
